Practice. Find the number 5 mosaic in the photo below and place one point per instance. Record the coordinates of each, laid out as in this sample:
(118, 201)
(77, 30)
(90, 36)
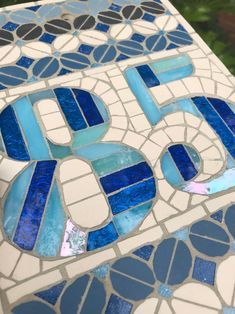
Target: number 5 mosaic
(117, 171)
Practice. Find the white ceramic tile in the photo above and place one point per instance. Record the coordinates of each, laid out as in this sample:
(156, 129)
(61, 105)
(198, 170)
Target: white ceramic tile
(12, 254)
(73, 168)
(163, 210)
(27, 266)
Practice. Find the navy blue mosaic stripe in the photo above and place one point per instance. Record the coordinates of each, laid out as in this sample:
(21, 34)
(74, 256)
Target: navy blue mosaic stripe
(216, 123)
(148, 76)
(88, 107)
(225, 112)
(183, 161)
(132, 196)
(70, 109)
(30, 219)
(125, 177)
(12, 137)
(101, 237)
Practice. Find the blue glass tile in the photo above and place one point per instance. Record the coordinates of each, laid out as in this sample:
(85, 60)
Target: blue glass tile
(180, 38)
(70, 108)
(88, 107)
(204, 270)
(52, 294)
(30, 219)
(101, 237)
(34, 307)
(38, 148)
(41, 95)
(167, 263)
(121, 57)
(52, 230)
(135, 269)
(129, 220)
(102, 27)
(209, 238)
(25, 62)
(225, 112)
(15, 200)
(164, 291)
(137, 37)
(115, 162)
(47, 38)
(115, 7)
(10, 26)
(73, 295)
(95, 298)
(143, 96)
(175, 74)
(2, 87)
(34, 8)
(183, 161)
(230, 220)
(229, 310)
(59, 152)
(216, 123)
(129, 288)
(89, 136)
(148, 76)
(86, 49)
(125, 177)
(64, 71)
(11, 135)
(144, 252)
(170, 170)
(132, 196)
(148, 17)
(117, 305)
(218, 216)
(171, 46)
(101, 271)
(172, 63)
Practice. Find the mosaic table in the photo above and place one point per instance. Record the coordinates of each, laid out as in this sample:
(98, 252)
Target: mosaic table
(117, 162)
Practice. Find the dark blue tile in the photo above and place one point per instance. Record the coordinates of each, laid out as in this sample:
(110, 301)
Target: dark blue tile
(144, 252)
(209, 238)
(47, 38)
(52, 294)
(102, 27)
(86, 49)
(88, 107)
(73, 295)
(132, 196)
(204, 271)
(117, 305)
(10, 26)
(11, 135)
(230, 220)
(179, 38)
(95, 298)
(34, 307)
(30, 218)
(148, 17)
(218, 216)
(225, 112)
(25, 62)
(171, 46)
(129, 47)
(34, 8)
(121, 57)
(135, 269)
(149, 78)
(172, 261)
(215, 121)
(126, 177)
(13, 75)
(64, 71)
(104, 53)
(137, 37)
(70, 108)
(183, 161)
(2, 87)
(115, 7)
(101, 237)
(129, 288)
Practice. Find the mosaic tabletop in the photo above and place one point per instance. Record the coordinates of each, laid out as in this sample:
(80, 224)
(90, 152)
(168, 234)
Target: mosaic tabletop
(117, 170)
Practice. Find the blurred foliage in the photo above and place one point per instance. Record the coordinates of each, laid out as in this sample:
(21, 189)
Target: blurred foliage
(203, 15)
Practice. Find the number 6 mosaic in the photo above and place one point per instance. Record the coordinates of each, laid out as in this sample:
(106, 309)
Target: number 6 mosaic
(117, 171)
